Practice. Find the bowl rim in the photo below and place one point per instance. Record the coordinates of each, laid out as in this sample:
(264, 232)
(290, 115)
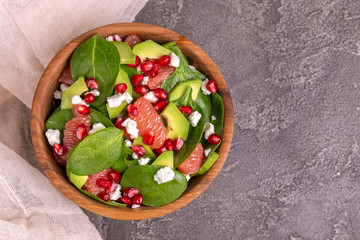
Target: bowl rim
(56, 174)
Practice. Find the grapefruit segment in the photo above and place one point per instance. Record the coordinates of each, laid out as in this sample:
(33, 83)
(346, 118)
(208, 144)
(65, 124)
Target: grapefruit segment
(163, 74)
(193, 163)
(91, 186)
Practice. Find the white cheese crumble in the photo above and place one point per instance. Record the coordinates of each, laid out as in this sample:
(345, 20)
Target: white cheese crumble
(95, 92)
(143, 161)
(53, 136)
(134, 156)
(175, 60)
(187, 177)
(164, 175)
(192, 67)
(145, 80)
(138, 69)
(110, 38)
(203, 87)
(151, 97)
(213, 118)
(208, 130)
(207, 151)
(96, 127)
(57, 94)
(194, 118)
(128, 143)
(116, 194)
(116, 100)
(63, 86)
(135, 206)
(131, 127)
(76, 99)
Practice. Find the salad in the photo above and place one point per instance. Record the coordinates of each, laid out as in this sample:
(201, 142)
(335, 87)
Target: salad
(133, 122)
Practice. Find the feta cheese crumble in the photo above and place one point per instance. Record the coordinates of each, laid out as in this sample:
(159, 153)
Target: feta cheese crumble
(208, 130)
(207, 151)
(164, 175)
(116, 100)
(187, 177)
(95, 92)
(213, 118)
(134, 156)
(192, 67)
(63, 86)
(203, 87)
(76, 99)
(57, 94)
(194, 118)
(145, 80)
(131, 127)
(151, 97)
(116, 194)
(175, 60)
(135, 206)
(96, 127)
(53, 136)
(110, 38)
(143, 161)
(128, 143)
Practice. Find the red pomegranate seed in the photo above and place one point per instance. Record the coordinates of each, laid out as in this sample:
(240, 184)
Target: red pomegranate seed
(137, 199)
(154, 71)
(186, 109)
(116, 37)
(132, 110)
(137, 79)
(83, 110)
(160, 93)
(130, 192)
(118, 123)
(178, 144)
(160, 150)
(103, 183)
(89, 98)
(146, 73)
(153, 61)
(124, 199)
(137, 62)
(164, 60)
(104, 196)
(149, 138)
(92, 83)
(214, 139)
(138, 150)
(81, 132)
(212, 86)
(120, 88)
(115, 176)
(146, 66)
(141, 90)
(169, 144)
(58, 149)
(112, 187)
(160, 105)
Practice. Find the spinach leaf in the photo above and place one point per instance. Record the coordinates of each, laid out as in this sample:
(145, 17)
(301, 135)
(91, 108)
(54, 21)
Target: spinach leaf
(129, 70)
(185, 99)
(119, 165)
(112, 203)
(99, 59)
(204, 102)
(130, 162)
(96, 152)
(154, 194)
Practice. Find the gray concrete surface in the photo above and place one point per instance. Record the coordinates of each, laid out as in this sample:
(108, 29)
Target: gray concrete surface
(293, 170)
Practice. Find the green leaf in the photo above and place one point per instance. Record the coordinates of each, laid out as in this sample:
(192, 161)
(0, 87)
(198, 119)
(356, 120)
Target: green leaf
(96, 152)
(112, 203)
(99, 59)
(204, 102)
(129, 70)
(154, 194)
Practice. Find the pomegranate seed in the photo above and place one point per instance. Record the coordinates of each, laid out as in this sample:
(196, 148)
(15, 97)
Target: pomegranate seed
(81, 132)
(152, 61)
(137, 62)
(138, 150)
(116, 37)
(186, 109)
(92, 83)
(178, 144)
(149, 138)
(146, 73)
(137, 199)
(154, 71)
(89, 98)
(212, 86)
(120, 88)
(115, 176)
(132, 110)
(160, 105)
(83, 110)
(141, 90)
(160, 93)
(118, 123)
(58, 149)
(164, 60)
(103, 183)
(104, 196)
(146, 66)
(130, 192)
(112, 187)
(160, 150)
(169, 144)
(137, 79)
(125, 199)
(214, 139)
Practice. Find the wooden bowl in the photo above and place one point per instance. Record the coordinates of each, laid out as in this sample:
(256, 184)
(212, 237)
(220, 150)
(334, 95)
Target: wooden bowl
(42, 105)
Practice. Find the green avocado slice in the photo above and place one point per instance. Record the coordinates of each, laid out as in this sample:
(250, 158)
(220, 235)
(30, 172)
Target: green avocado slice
(150, 49)
(77, 88)
(126, 55)
(177, 124)
(181, 88)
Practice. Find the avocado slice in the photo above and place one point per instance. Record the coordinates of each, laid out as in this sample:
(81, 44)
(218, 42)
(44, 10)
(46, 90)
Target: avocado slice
(180, 89)
(177, 124)
(208, 163)
(150, 49)
(122, 77)
(165, 159)
(148, 152)
(126, 55)
(77, 180)
(77, 88)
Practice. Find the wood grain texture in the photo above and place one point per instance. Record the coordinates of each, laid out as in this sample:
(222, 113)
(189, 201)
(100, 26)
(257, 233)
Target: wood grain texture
(42, 105)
